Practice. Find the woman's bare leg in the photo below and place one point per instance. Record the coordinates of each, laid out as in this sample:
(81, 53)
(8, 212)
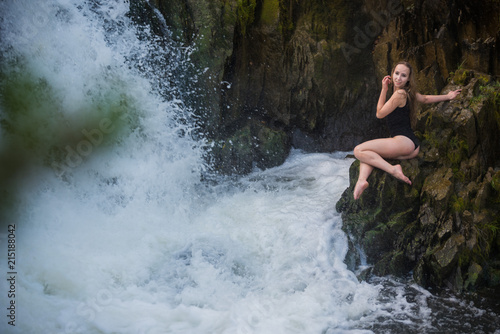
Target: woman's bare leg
(374, 159)
(373, 153)
(364, 171)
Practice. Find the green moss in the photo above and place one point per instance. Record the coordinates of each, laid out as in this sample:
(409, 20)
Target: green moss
(431, 138)
(457, 151)
(272, 147)
(234, 154)
(270, 11)
(459, 204)
(245, 12)
(486, 91)
(489, 229)
(473, 275)
(476, 100)
(461, 77)
(286, 24)
(486, 232)
(393, 263)
(241, 141)
(491, 93)
(376, 243)
(495, 182)
(254, 143)
(483, 79)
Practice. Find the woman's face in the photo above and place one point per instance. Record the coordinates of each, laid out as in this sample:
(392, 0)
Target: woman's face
(400, 76)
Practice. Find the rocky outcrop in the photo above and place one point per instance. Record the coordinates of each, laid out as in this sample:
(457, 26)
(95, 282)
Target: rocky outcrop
(438, 37)
(445, 228)
(312, 70)
(309, 72)
(289, 72)
(238, 138)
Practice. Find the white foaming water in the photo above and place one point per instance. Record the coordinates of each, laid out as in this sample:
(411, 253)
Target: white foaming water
(253, 260)
(123, 237)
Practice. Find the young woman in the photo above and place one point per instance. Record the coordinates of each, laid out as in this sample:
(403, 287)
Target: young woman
(403, 143)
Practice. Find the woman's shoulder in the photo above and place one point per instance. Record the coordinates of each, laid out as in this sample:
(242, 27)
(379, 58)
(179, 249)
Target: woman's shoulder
(400, 97)
(401, 93)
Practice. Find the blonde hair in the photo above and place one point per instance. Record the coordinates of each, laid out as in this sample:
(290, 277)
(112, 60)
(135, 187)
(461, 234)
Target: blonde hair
(410, 88)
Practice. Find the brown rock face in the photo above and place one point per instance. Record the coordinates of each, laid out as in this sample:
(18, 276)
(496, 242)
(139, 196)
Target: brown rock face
(311, 70)
(294, 74)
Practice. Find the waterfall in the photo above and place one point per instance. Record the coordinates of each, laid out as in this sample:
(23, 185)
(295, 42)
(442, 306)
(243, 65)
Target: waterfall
(113, 227)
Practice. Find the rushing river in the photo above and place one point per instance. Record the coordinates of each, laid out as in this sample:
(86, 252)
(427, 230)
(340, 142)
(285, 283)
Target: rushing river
(116, 230)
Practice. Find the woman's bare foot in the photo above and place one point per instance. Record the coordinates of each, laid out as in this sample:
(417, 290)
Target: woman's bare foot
(359, 188)
(398, 173)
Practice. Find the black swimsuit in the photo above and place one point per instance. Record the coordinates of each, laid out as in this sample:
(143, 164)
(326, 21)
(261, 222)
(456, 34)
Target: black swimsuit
(399, 124)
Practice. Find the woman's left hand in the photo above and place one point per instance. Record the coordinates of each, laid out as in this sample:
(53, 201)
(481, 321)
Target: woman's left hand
(453, 94)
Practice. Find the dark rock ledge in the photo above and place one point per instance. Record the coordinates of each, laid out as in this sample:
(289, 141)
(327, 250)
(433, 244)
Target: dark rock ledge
(444, 229)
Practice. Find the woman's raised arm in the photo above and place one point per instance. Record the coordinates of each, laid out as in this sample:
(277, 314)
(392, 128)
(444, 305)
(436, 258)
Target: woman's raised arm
(438, 98)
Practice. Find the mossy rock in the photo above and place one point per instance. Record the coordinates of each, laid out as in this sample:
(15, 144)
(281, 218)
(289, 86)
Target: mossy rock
(438, 188)
(234, 154)
(253, 144)
(462, 77)
(474, 274)
(446, 256)
(393, 263)
(494, 278)
(385, 237)
(272, 147)
(376, 242)
(270, 12)
(495, 182)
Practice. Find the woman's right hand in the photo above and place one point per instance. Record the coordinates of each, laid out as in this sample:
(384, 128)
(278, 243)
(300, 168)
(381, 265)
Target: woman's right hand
(386, 81)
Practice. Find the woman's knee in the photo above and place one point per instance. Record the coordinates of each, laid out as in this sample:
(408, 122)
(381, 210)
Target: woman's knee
(357, 151)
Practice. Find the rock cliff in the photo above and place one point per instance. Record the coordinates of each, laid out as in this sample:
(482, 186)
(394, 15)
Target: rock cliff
(307, 73)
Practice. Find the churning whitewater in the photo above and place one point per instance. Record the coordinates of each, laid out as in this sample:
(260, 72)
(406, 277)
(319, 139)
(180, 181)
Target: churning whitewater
(115, 232)
(121, 236)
